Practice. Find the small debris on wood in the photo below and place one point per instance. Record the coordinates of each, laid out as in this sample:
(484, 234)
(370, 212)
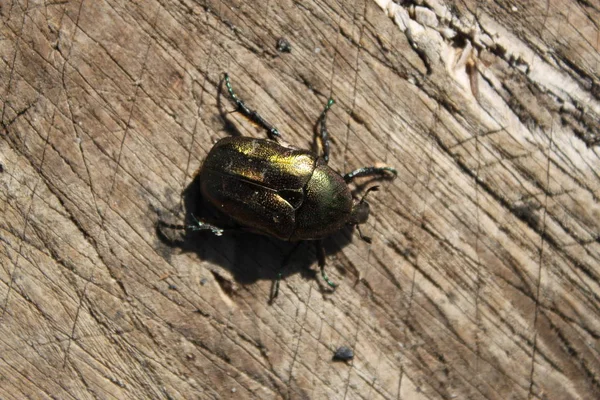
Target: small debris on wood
(343, 353)
(164, 276)
(227, 285)
(283, 45)
(527, 213)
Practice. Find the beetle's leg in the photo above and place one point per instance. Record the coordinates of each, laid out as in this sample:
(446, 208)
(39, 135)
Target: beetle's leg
(365, 238)
(323, 135)
(255, 117)
(198, 226)
(205, 226)
(321, 258)
(362, 200)
(275, 286)
(369, 171)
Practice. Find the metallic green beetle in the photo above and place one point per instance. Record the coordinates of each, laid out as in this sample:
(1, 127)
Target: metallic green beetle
(279, 191)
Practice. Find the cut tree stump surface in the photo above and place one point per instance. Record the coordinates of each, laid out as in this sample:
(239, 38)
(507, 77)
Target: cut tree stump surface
(483, 276)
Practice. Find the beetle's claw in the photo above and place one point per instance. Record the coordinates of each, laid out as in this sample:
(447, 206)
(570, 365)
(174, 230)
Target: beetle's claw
(365, 238)
(326, 278)
(203, 226)
(392, 171)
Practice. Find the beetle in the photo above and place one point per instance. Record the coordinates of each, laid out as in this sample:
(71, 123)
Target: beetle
(277, 190)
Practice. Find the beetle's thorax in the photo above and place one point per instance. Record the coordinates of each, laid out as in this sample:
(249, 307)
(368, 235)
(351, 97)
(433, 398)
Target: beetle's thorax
(326, 207)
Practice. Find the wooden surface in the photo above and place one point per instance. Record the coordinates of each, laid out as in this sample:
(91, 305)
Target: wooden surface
(482, 280)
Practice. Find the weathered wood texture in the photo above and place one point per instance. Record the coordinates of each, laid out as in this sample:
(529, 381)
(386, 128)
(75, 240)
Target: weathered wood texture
(483, 279)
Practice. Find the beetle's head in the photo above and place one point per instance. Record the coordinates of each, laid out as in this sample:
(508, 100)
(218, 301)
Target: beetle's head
(360, 213)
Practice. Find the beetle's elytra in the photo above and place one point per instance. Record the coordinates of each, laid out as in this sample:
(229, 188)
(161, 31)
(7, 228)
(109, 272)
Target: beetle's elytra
(280, 191)
(276, 191)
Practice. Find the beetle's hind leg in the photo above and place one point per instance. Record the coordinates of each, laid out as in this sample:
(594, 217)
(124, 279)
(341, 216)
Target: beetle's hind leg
(284, 263)
(370, 171)
(272, 132)
(322, 135)
(321, 258)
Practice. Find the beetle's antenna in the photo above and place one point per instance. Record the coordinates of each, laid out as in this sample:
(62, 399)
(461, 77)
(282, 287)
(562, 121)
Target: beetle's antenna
(369, 190)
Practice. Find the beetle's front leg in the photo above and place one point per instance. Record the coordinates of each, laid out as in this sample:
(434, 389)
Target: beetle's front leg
(255, 117)
(323, 135)
(370, 171)
(321, 258)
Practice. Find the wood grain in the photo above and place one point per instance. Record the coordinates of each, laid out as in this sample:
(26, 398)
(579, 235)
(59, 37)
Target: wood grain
(483, 278)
